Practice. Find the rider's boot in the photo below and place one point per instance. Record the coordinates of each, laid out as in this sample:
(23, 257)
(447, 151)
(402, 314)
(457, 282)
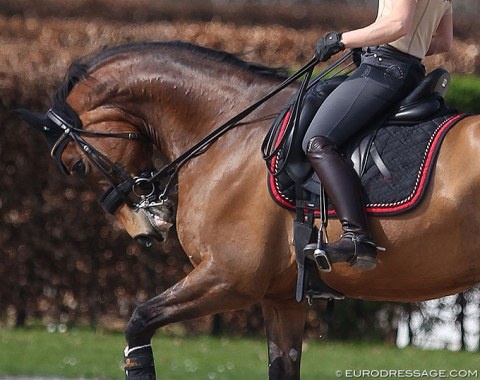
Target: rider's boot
(343, 187)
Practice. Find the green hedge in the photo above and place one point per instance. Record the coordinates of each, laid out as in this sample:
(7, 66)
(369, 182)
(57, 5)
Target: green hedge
(464, 93)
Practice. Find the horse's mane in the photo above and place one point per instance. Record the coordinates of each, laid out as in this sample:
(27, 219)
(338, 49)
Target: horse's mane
(79, 69)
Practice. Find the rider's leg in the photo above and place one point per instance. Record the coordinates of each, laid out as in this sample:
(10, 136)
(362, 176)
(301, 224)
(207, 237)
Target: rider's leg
(382, 79)
(342, 185)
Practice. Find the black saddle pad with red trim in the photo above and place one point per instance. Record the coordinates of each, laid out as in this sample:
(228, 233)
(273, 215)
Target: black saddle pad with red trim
(396, 177)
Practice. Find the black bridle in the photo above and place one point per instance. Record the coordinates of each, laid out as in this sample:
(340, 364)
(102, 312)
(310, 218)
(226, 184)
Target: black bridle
(122, 184)
(146, 188)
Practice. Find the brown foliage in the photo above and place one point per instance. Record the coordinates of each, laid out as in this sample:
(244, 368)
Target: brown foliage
(61, 258)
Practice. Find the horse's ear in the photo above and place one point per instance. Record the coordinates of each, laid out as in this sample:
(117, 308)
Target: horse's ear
(40, 122)
(34, 119)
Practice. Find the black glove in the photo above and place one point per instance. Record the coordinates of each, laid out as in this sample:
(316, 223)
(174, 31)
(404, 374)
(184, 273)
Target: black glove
(329, 45)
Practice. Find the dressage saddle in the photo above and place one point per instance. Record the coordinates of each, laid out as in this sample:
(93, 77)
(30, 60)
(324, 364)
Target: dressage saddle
(423, 103)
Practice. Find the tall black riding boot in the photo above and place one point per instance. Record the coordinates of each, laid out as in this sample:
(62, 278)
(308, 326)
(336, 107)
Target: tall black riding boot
(343, 187)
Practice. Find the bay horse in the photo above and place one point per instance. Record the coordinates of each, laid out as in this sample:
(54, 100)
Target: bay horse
(125, 100)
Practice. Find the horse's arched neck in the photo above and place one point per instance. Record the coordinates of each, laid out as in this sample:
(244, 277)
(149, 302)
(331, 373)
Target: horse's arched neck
(177, 105)
(186, 107)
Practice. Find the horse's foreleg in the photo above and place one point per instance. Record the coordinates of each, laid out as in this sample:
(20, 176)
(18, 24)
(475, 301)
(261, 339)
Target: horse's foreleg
(284, 325)
(206, 290)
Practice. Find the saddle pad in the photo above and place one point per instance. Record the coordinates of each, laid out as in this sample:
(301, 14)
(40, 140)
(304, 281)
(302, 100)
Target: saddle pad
(409, 154)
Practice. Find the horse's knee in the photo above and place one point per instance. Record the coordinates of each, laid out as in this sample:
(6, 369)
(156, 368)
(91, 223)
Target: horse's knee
(136, 331)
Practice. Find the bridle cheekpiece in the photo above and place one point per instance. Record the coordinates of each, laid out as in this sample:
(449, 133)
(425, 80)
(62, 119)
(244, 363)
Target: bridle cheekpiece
(139, 192)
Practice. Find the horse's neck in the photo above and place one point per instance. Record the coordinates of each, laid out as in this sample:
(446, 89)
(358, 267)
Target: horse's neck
(195, 108)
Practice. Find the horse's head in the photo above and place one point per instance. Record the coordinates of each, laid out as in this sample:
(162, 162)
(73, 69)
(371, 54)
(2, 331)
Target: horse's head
(107, 148)
(115, 105)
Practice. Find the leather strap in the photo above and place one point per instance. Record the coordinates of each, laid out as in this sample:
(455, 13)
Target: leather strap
(379, 162)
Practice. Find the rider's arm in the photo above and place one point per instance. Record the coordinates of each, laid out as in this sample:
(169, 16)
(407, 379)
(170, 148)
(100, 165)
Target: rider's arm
(383, 30)
(443, 37)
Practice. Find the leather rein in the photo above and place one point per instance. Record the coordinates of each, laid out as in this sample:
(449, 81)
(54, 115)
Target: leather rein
(145, 189)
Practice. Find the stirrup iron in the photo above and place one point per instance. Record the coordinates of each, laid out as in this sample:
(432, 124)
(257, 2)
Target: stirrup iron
(319, 254)
(315, 252)
(322, 261)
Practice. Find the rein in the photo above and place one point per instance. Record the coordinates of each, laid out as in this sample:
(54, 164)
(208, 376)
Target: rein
(146, 184)
(173, 167)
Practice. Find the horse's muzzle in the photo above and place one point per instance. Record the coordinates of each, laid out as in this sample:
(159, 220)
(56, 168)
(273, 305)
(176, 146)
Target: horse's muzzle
(160, 228)
(148, 224)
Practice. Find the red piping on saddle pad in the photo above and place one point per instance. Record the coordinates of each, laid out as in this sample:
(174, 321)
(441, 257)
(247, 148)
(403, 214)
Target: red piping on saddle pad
(376, 209)
(273, 187)
(425, 170)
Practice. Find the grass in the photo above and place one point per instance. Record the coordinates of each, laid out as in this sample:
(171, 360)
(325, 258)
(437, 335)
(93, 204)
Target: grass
(89, 354)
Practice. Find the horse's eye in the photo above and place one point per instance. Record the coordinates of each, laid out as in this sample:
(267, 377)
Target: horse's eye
(79, 168)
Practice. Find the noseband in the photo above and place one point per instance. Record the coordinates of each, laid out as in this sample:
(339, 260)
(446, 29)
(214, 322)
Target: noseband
(124, 187)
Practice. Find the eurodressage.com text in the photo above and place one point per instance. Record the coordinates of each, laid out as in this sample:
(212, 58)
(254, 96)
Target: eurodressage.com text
(408, 373)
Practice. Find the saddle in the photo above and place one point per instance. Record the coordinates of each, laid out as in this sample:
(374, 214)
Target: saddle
(393, 178)
(422, 112)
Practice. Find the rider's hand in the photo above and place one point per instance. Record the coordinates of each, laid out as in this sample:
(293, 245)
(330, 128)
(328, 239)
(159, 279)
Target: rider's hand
(329, 45)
